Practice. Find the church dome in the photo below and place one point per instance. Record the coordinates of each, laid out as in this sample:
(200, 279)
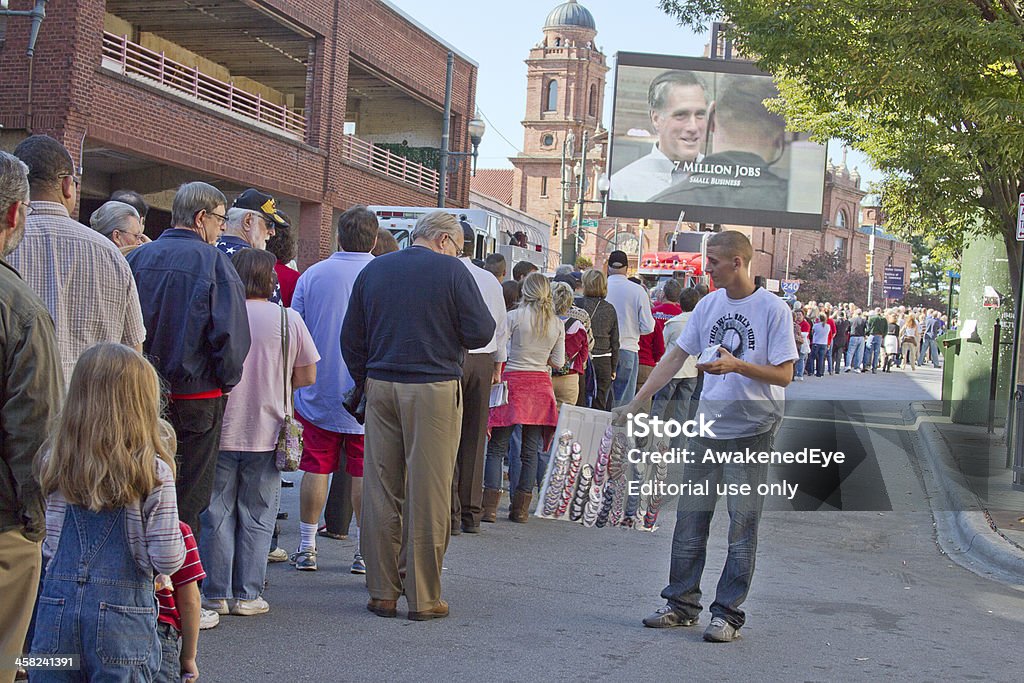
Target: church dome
(571, 14)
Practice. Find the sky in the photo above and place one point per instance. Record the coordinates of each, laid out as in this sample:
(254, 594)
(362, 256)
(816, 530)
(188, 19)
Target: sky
(499, 35)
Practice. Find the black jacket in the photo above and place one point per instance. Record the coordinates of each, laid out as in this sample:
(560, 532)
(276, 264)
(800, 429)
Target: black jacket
(193, 304)
(604, 323)
(31, 391)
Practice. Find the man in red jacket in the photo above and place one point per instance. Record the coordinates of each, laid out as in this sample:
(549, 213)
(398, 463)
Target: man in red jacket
(652, 346)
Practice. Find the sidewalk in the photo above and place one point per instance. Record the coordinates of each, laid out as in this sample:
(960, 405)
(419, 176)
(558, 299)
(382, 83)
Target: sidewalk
(977, 512)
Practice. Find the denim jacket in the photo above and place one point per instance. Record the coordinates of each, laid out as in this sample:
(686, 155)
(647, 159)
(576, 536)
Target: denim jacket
(193, 304)
(30, 395)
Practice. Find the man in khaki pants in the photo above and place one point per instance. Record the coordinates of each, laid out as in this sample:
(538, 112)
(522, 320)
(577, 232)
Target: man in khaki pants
(32, 387)
(411, 316)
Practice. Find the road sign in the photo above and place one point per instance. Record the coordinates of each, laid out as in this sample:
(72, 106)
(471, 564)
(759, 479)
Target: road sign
(1020, 218)
(791, 286)
(892, 282)
(589, 222)
(952, 275)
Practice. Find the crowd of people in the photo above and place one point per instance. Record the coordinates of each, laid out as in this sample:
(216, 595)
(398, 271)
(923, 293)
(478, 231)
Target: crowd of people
(844, 338)
(148, 385)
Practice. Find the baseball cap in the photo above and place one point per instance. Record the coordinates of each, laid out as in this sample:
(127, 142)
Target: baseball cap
(254, 200)
(618, 259)
(467, 232)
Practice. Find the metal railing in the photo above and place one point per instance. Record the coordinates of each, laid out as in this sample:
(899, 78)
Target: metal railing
(369, 155)
(135, 60)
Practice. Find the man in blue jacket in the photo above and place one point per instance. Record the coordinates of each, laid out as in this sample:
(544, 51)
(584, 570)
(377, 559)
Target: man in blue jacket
(197, 333)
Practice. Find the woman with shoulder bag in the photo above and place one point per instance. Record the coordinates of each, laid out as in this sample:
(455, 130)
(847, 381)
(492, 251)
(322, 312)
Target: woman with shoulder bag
(565, 380)
(238, 524)
(604, 324)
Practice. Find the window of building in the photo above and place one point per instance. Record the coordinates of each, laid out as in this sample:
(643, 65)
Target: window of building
(592, 107)
(840, 247)
(547, 139)
(840, 219)
(543, 186)
(551, 96)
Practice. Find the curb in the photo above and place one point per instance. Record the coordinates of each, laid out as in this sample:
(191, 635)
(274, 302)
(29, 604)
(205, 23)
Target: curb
(961, 523)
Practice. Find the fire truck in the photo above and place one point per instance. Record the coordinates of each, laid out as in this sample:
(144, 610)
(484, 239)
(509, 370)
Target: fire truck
(685, 262)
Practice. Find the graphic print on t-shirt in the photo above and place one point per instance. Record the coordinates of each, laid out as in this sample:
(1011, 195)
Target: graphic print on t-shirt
(734, 332)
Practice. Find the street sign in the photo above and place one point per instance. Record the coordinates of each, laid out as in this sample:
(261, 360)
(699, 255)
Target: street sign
(952, 275)
(1020, 218)
(791, 286)
(892, 282)
(589, 222)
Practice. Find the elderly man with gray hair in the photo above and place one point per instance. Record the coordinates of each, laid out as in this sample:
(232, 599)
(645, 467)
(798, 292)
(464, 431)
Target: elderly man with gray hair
(30, 395)
(120, 223)
(197, 349)
(406, 345)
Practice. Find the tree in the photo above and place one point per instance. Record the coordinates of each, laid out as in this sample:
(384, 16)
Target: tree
(582, 263)
(931, 91)
(823, 277)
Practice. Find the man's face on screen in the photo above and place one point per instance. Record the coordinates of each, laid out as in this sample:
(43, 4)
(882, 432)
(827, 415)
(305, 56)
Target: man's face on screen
(682, 124)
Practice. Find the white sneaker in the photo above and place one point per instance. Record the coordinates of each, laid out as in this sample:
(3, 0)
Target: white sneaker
(248, 608)
(277, 555)
(218, 606)
(208, 619)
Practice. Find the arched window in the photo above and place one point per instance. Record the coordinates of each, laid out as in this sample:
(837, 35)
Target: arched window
(551, 96)
(840, 219)
(592, 107)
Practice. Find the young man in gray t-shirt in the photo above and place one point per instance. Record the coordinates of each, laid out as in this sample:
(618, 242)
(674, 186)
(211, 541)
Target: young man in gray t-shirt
(743, 394)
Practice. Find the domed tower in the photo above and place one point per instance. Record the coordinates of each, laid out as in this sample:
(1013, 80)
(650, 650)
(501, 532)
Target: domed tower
(565, 79)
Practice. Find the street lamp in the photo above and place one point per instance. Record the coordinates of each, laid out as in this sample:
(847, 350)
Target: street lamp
(603, 185)
(38, 13)
(476, 133)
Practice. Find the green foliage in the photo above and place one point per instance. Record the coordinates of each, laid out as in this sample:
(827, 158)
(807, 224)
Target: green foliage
(824, 278)
(582, 263)
(424, 156)
(932, 91)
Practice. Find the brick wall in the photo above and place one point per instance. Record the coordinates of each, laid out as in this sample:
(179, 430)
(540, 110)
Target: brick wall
(74, 100)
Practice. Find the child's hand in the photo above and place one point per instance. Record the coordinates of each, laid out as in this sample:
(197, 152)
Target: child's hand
(189, 671)
(161, 581)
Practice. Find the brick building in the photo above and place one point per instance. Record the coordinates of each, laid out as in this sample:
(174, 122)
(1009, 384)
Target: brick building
(325, 104)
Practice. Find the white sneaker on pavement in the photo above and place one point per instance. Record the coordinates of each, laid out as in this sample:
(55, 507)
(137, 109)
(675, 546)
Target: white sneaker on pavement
(248, 608)
(208, 619)
(218, 606)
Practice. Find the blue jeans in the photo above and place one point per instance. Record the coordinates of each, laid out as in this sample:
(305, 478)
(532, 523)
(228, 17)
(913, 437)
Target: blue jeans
(624, 386)
(801, 363)
(693, 525)
(97, 602)
(170, 665)
(873, 352)
(497, 448)
(818, 353)
(672, 402)
(238, 525)
(930, 346)
(855, 353)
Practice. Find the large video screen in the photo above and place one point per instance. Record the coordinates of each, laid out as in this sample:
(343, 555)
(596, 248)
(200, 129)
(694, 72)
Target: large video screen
(693, 135)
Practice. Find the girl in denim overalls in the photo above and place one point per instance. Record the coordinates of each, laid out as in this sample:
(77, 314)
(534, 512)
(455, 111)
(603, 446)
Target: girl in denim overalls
(111, 520)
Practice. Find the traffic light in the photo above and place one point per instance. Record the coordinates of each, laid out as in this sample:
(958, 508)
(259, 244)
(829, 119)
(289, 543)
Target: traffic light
(554, 227)
(868, 259)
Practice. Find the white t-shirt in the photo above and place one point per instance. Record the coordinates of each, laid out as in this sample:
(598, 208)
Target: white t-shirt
(255, 408)
(673, 328)
(531, 350)
(758, 330)
(820, 333)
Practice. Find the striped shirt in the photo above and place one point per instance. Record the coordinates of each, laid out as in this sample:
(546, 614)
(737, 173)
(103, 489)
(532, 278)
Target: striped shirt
(190, 572)
(82, 278)
(153, 532)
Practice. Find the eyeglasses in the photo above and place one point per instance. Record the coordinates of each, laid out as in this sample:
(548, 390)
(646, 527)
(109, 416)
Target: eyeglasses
(221, 220)
(137, 236)
(78, 181)
(28, 208)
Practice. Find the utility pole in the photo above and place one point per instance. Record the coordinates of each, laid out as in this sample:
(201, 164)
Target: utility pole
(442, 182)
(871, 263)
(577, 242)
(568, 150)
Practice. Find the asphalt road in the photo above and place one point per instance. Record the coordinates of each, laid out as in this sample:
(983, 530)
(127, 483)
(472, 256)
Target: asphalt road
(846, 595)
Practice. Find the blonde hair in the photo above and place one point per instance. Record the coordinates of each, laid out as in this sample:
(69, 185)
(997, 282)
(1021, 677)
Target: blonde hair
(536, 298)
(595, 283)
(911, 321)
(561, 297)
(102, 450)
